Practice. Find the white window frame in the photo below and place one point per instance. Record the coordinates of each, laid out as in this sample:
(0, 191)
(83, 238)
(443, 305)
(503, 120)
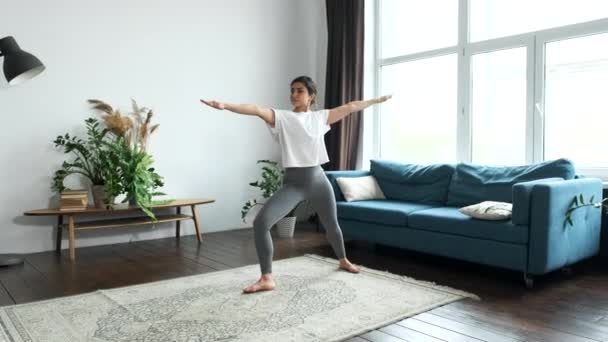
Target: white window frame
(491, 46)
(548, 36)
(533, 41)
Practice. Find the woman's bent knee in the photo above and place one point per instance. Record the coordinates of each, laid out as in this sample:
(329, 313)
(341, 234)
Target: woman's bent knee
(261, 224)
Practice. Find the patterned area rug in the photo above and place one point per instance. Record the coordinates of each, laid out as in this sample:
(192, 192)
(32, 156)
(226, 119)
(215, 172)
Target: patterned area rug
(313, 301)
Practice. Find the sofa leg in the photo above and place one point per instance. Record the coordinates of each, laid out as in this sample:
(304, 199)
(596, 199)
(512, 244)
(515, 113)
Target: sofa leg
(567, 271)
(529, 280)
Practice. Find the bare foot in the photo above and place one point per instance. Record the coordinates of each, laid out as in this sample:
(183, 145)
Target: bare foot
(347, 266)
(265, 283)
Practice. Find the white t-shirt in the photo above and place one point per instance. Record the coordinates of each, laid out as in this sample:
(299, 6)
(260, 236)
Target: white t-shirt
(301, 137)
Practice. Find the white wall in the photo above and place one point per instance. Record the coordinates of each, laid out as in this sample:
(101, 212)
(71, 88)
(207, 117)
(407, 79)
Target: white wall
(166, 55)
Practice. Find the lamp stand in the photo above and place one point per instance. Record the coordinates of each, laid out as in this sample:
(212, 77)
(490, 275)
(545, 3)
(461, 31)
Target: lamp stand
(18, 66)
(10, 259)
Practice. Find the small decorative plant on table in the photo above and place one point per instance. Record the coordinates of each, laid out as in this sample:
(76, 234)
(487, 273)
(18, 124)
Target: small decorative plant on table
(90, 159)
(115, 156)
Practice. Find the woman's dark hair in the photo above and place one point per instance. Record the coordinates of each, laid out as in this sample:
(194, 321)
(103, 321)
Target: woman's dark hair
(309, 84)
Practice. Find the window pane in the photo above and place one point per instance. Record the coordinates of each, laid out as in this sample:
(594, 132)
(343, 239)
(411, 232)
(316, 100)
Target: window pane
(499, 107)
(576, 100)
(493, 19)
(410, 26)
(419, 123)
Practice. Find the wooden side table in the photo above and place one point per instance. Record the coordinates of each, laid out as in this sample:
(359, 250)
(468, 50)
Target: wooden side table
(110, 221)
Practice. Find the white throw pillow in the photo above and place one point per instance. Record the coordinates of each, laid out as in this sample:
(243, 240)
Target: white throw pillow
(360, 188)
(489, 210)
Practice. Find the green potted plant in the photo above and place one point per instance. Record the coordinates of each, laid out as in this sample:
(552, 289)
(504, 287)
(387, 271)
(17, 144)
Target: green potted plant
(137, 179)
(90, 159)
(132, 168)
(114, 158)
(271, 182)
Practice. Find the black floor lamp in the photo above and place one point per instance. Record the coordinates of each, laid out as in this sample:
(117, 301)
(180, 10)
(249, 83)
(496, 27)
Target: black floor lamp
(18, 67)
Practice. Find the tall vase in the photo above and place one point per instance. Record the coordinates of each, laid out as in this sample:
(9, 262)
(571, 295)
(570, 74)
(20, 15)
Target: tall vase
(285, 226)
(99, 196)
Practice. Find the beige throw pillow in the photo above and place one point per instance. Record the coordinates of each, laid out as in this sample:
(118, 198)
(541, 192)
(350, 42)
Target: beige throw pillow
(489, 210)
(360, 188)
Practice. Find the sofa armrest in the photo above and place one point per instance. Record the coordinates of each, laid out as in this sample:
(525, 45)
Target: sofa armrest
(521, 199)
(332, 175)
(553, 244)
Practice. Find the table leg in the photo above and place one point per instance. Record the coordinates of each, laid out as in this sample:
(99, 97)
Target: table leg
(71, 233)
(59, 232)
(196, 223)
(177, 223)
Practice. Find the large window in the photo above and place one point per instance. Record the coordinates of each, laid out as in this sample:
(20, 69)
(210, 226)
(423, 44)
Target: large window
(498, 106)
(492, 82)
(500, 18)
(417, 127)
(576, 100)
(434, 29)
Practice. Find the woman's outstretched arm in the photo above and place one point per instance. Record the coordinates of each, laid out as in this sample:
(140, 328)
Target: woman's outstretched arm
(265, 114)
(339, 113)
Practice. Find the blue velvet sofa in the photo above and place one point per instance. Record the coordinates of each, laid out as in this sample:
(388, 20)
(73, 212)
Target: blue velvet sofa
(420, 213)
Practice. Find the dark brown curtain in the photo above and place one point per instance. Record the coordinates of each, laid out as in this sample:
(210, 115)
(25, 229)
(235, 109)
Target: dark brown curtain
(344, 79)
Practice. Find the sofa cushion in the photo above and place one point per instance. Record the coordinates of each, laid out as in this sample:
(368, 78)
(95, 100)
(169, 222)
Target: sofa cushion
(386, 212)
(472, 184)
(333, 175)
(451, 221)
(413, 183)
(360, 188)
(489, 210)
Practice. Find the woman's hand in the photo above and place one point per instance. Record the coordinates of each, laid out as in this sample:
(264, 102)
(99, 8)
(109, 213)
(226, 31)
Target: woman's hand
(214, 104)
(383, 98)
(338, 113)
(247, 109)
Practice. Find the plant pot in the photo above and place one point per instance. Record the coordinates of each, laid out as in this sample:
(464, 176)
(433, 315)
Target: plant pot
(99, 196)
(120, 206)
(285, 226)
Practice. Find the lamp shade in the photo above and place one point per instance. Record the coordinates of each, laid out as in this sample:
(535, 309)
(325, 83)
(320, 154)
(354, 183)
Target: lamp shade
(19, 65)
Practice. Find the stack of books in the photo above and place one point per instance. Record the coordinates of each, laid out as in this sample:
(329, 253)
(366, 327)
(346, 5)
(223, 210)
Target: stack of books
(73, 200)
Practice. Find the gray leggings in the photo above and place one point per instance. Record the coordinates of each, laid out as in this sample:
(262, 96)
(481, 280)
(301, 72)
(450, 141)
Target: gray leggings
(299, 183)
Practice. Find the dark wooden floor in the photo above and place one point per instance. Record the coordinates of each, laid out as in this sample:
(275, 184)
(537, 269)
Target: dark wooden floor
(561, 307)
